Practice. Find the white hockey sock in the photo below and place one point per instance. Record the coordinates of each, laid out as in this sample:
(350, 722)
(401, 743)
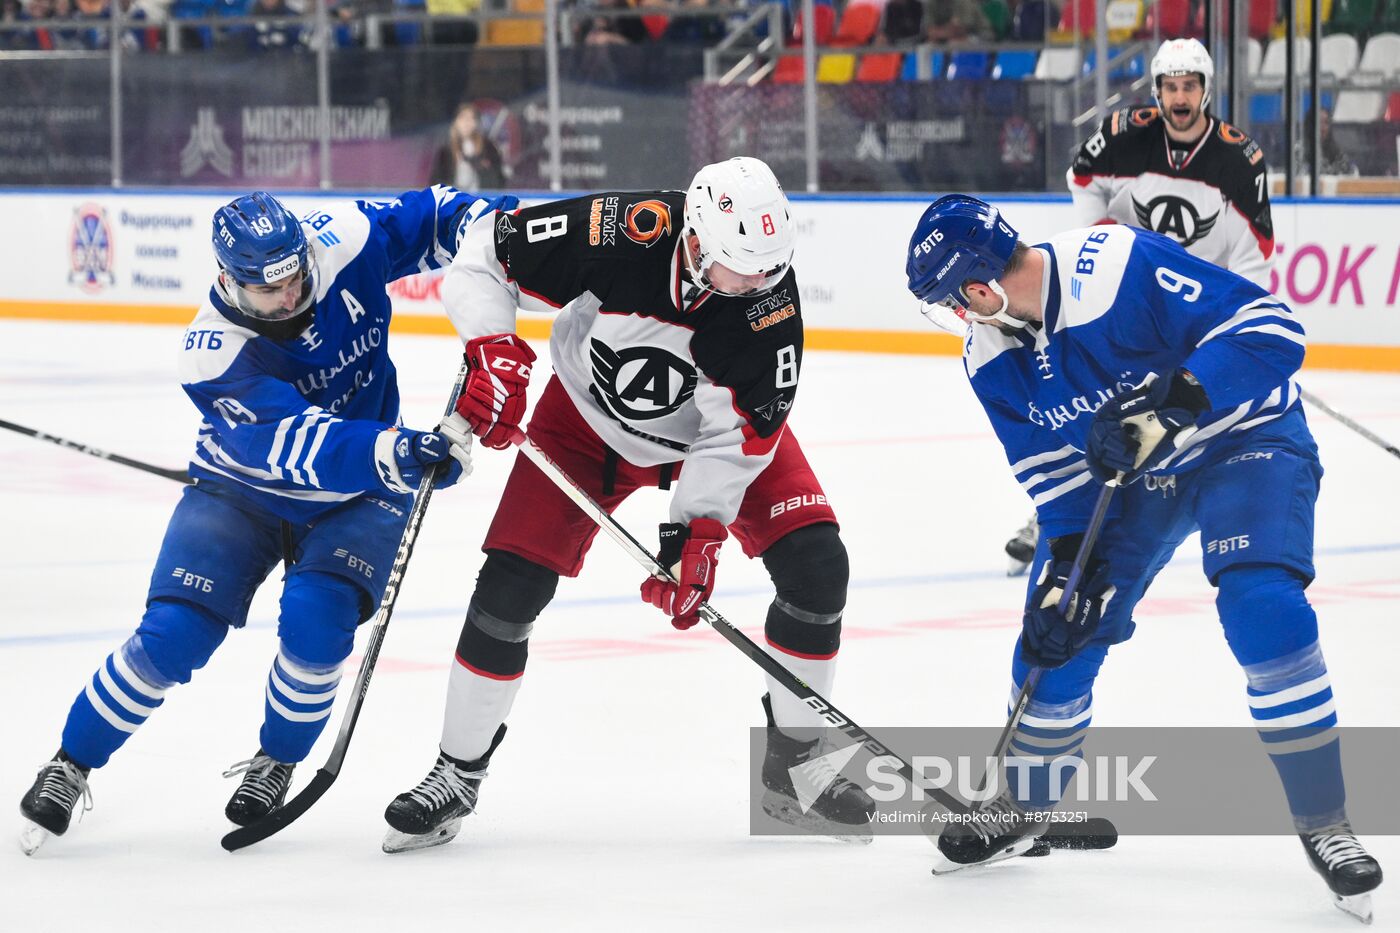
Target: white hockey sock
(477, 704)
(790, 713)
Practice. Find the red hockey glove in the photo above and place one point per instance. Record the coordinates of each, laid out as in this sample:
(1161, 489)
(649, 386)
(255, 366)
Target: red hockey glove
(692, 553)
(493, 400)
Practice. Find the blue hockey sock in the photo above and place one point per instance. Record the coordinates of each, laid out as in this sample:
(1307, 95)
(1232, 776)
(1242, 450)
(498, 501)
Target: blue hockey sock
(1046, 750)
(1273, 632)
(299, 701)
(317, 631)
(122, 693)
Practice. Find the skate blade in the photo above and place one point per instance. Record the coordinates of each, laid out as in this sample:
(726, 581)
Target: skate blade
(31, 837)
(1358, 905)
(946, 866)
(1015, 568)
(395, 841)
(783, 810)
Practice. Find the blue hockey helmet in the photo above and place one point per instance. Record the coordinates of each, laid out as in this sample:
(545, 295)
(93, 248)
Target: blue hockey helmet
(269, 269)
(958, 239)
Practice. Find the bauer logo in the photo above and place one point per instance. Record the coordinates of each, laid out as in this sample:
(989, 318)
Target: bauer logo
(795, 503)
(90, 249)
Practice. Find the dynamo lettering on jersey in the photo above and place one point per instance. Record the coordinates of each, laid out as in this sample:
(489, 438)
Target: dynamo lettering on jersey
(1123, 304)
(293, 424)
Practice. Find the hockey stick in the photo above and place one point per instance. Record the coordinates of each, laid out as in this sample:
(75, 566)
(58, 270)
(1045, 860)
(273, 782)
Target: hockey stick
(1076, 574)
(1376, 439)
(794, 685)
(285, 815)
(177, 475)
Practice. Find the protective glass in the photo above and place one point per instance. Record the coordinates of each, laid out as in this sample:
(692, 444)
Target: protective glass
(279, 302)
(949, 315)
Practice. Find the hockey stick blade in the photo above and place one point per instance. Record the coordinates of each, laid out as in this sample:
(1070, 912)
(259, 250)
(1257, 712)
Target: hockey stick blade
(282, 817)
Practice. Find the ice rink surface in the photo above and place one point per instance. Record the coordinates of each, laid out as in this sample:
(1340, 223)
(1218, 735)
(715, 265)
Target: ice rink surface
(619, 799)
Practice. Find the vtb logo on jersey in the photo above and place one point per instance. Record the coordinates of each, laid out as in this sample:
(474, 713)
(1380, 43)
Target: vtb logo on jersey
(647, 221)
(1174, 217)
(643, 382)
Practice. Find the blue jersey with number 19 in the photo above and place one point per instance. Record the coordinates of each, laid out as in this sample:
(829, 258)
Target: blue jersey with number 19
(297, 426)
(1121, 304)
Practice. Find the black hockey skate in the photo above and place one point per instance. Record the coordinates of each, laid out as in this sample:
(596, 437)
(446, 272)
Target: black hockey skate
(1348, 869)
(264, 787)
(1000, 831)
(1021, 548)
(48, 807)
(431, 814)
(841, 808)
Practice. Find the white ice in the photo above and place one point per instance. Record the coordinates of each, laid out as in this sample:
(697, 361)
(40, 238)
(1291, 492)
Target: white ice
(620, 795)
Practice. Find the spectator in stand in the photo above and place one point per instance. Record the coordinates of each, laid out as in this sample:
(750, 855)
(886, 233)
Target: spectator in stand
(614, 29)
(1029, 19)
(469, 161)
(695, 28)
(955, 20)
(12, 13)
(454, 32)
(270, 36)
(97, 35)
(1334, 160)
(902, 23)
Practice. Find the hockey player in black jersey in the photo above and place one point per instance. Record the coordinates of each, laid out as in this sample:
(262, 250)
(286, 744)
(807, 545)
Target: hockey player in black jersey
(1176, 169)
(676, 349)
(1180, 171)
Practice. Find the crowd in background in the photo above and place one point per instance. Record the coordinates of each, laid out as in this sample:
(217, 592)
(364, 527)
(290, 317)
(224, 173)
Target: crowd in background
(82, 24)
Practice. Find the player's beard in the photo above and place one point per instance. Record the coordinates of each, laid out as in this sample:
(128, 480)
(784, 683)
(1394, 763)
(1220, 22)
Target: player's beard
(1193, 117)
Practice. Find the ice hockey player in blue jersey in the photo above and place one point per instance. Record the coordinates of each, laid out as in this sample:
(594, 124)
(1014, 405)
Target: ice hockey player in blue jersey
(299, 458)
(1112, 350)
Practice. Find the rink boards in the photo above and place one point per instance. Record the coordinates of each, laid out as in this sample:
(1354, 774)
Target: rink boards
(98, 255)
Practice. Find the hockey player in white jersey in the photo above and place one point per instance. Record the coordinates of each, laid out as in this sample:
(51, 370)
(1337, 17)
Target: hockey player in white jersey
(677, 351)
(299, 458)
(1180, 171)
(1110, 350)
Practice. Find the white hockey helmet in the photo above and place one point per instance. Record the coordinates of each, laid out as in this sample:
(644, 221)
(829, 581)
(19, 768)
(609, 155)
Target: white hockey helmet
(1182, 57)
(740, 215)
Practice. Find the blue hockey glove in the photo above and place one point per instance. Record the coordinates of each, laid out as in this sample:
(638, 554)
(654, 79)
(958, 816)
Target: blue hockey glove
(1137, 430)
(413, 452)
(1049, 638)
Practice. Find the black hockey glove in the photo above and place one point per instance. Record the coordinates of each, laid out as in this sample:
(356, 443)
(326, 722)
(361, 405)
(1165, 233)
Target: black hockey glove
(1048, 637)
(1137, 430)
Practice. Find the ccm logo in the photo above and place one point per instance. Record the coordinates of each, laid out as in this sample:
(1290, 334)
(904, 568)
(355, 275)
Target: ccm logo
(280, 271)
(796, 502)
(506, 365)
(1253, 455)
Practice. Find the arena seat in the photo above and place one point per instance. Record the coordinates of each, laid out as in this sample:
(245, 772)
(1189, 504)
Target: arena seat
(858, 24)
(836, 68)
(1014, 65)
(878, 67)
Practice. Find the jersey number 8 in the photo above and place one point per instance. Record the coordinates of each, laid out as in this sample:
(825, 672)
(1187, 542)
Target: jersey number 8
(546, 228)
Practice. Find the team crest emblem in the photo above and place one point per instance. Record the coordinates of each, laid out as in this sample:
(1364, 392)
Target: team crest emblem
(1174, 217)
(725, 203)
(641, 383)
(504, 228)
(90, 249)
(647, 221)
